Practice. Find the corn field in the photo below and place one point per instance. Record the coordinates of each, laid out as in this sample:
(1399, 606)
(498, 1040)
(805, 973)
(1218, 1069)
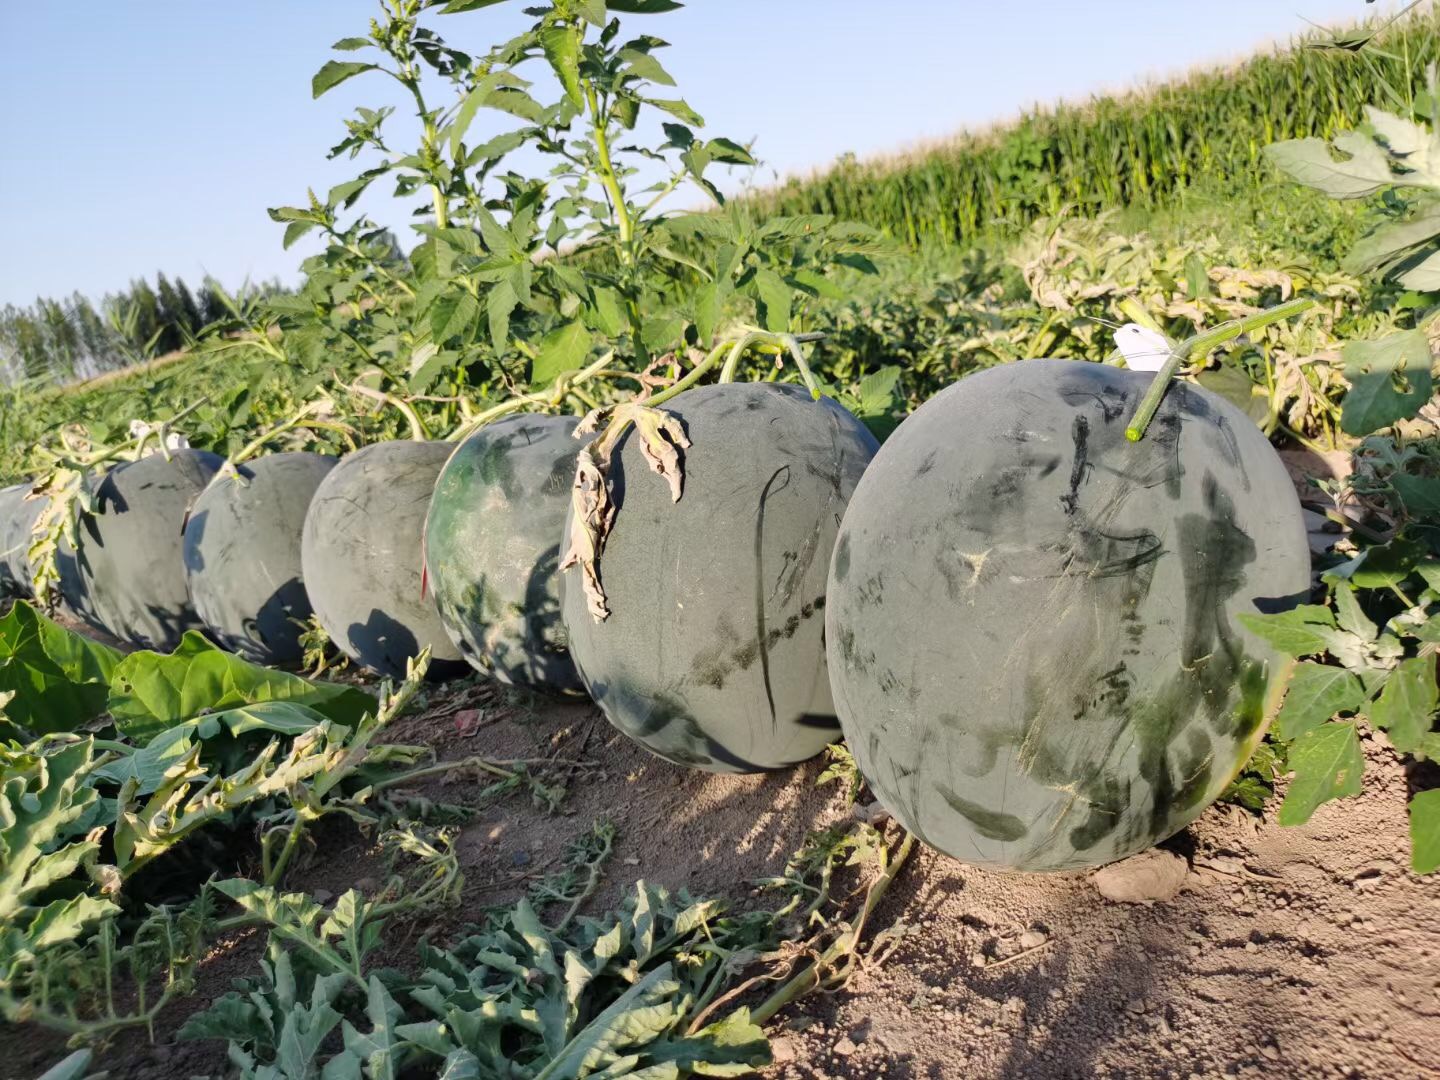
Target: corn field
(1134, 150)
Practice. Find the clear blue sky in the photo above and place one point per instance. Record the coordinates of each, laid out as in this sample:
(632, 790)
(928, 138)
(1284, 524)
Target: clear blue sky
(145, 135)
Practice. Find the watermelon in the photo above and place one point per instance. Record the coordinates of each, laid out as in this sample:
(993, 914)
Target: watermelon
(242, 555)
(492, 548)
(126, 577)
(1032, 629)
(17, 520)
(361, 554)
(713, 653)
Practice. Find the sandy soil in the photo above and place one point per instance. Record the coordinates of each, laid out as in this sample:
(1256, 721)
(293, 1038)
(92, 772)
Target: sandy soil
(1307, 952)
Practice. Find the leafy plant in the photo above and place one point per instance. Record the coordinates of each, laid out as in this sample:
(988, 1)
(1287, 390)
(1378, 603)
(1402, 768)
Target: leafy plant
(613, 996)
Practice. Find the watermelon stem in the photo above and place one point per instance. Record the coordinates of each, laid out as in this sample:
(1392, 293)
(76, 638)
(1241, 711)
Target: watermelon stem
(1195, 348)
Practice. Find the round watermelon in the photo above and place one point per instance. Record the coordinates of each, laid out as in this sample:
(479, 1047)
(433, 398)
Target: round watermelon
(361, 556)
(713, 653)
(242, 555)
(126, 574)
(17, 522)
(1032, 628)
(492, 548)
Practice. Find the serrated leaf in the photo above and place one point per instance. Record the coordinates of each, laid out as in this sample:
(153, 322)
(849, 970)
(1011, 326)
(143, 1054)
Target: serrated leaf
(1327, 764)
(1425, 831)
(452, 313)
(774, 297)
(1302, 631)
(1392, 240)
(1363, 172)
(876, 391)
(1389, 381)
(561, 350)
(1316, 693)
(1350, 615)
(498, 306)
(678, 109)
(151, 692)
(336, 72)
(60, 679)
(1406, 705)
(561, 45)
(1420, 494)
(294, 231)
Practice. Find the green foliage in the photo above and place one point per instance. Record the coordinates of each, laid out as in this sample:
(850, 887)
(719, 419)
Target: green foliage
(60, 680)
(618, 995)
(151, 692)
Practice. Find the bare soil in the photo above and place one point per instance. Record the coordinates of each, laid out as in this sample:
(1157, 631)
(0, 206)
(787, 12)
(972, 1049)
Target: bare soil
(1307, 952)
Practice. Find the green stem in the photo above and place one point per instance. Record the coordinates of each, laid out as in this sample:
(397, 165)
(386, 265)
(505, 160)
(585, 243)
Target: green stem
(816, 974)
(1193, 348)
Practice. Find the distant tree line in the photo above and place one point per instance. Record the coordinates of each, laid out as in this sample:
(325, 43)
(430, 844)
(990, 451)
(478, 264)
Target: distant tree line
(73, 338)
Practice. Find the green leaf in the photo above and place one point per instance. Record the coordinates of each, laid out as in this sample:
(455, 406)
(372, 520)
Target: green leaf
(455, 7)
(774, 297)
(644, 66)
(1389, 381)
(60, 680)
(729, 152)
(1316, 693)
(469, 106)
(1425, 832)
(876, 391)
(1365, 171)
(1301, 631)
(677, 109)
(1407, 703)
(334, 73)
(452, 313)
(709, 304)
(561, 45)
(605, 310)
(351, 44)
(1392, 240)
(151, 692)
(1350, 615)
(498, 306)
(560, 350)
(1420, 494)
(294, 231)
(1328, 764)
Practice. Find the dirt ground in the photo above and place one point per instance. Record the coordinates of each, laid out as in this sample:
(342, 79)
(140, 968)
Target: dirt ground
(1308, 952)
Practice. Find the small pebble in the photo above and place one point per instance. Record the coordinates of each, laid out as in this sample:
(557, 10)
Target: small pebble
(1032, 939)
(844, 1047)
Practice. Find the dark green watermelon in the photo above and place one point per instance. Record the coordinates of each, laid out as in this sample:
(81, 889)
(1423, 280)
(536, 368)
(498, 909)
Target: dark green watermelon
(1032, 629)
(17, 521)
(361, 554)
(128, 576)
(242, 555)
(713, 654)
(492, 546)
